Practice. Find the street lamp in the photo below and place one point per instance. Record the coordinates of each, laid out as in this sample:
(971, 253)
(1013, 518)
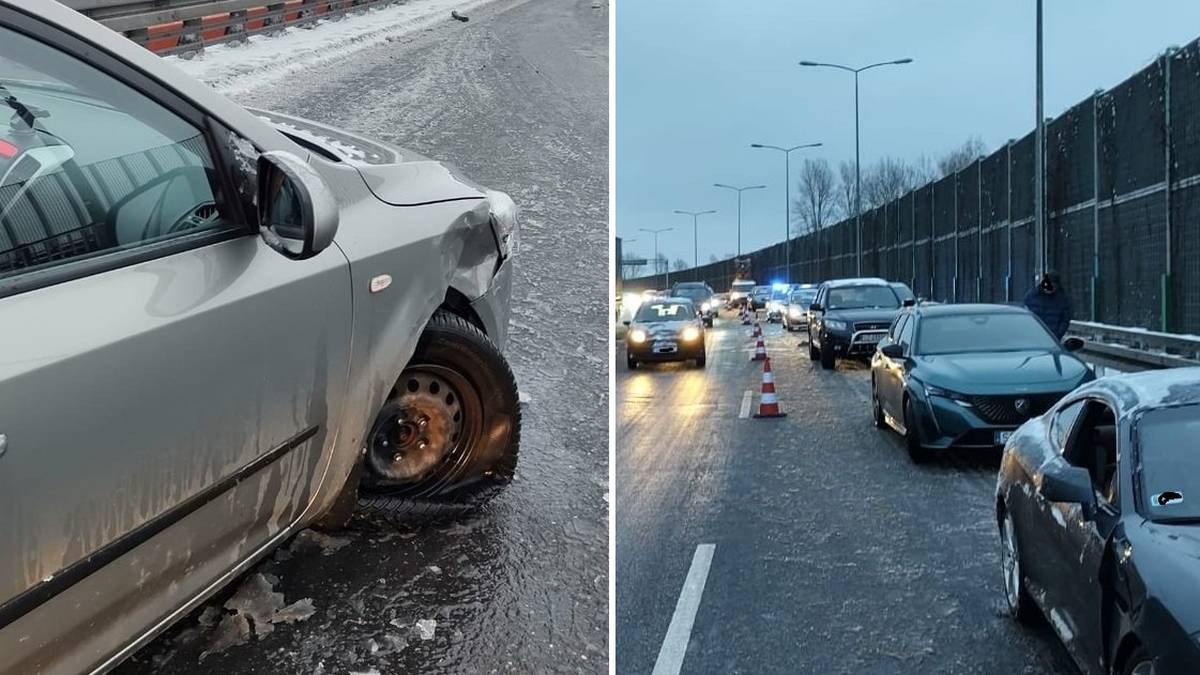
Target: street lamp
(787, 198)
(695, 245)
(739, 191)
(667, 272)
(857, 158)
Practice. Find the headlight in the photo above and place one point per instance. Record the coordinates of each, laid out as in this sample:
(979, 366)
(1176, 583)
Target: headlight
(931, 390)
(704, 307)
(637, 336)
(834, 324)
(690, 333)
(504, 221)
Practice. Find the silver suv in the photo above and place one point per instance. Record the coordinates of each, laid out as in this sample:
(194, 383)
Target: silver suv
(218, 327)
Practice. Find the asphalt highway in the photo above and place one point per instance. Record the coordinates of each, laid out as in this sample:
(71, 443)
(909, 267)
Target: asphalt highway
(804, 544)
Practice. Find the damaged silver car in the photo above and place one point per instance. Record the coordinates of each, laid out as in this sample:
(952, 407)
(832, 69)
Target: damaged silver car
(219, 327)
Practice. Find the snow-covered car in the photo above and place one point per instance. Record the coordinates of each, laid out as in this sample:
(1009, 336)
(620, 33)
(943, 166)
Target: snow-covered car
(1098, 527)
(220, 327)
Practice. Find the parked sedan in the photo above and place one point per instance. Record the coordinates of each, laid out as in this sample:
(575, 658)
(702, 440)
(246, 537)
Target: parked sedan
(965, 376)
(667, 329)
(1100, 526)
(220, 327)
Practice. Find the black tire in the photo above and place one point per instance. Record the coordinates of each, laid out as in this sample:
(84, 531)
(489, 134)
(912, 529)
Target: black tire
(877, 409)
(702, 360)
(1016, 598)
(912, 438)
(1140, 658)
(827, 359)
(813, 354)
(630, 362)
(478, 445)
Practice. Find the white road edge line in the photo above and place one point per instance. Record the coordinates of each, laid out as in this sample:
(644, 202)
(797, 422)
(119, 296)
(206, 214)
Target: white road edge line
(674, 646)
(747, 400)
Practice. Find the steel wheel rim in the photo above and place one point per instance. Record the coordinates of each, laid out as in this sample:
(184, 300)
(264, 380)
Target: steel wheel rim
(1010, 563)
(1143, 668)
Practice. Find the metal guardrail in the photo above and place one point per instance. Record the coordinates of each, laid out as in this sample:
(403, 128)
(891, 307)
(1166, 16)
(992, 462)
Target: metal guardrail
(178, 26)
(1140, 349)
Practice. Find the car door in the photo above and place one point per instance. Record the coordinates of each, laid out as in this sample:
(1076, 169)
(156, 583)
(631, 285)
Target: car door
(896, 371)
(166, 379)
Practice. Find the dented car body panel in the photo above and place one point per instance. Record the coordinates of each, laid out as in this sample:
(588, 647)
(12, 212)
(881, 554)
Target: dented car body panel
(171, 420)
(1107, 577)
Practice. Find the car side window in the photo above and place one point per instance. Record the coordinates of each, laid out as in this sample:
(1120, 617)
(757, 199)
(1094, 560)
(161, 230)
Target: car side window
(1093, 446)
(906, 333)
(894, 331)
(88, 165)
(1062, 423)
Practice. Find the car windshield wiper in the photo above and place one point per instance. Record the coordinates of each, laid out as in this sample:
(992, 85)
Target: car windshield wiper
(27, 115)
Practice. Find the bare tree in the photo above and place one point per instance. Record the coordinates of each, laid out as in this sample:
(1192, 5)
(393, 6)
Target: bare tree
(889, 179)
(679, 264)
(814, 207)
(632, 267)
(962, 156)
(846, 185)
(661, 264)
(712, 258)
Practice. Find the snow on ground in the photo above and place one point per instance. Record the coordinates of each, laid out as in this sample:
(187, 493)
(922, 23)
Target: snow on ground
(233, 68)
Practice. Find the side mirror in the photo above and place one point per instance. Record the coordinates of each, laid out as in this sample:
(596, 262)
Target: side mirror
(910, 302)
(1073, 344)
(892, 350)
(815, 307)
(297, 212)
(626, 322)
(1069, 484)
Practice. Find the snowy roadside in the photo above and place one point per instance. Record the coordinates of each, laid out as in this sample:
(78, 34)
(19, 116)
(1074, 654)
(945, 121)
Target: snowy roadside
(234, 68)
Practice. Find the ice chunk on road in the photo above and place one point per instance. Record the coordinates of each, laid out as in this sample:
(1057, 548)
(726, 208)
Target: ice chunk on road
(233, 630)
(297, 611)
(257, 600)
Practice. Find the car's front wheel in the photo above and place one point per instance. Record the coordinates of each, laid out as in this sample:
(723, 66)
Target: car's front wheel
(446, 438)
(630, 362)
(912, 438)
(813, 353)
(877, 409)
(827, 358)
(702, 360)
(1020, 605)
(1139, 663)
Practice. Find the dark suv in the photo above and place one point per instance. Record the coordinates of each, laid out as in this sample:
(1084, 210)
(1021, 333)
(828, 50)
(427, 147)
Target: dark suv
(701, 295)
(849, 317)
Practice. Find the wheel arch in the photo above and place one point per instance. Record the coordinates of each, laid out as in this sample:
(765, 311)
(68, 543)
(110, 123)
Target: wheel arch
(459, 305)
(1126, 646)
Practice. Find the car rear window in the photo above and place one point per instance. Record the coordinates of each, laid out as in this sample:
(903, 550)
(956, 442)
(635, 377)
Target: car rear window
(1169, 462)
(962, 333)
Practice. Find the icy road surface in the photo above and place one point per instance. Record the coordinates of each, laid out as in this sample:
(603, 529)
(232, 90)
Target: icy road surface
(518, 98)
(830, 551)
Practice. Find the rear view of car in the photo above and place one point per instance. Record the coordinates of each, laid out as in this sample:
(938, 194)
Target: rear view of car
(665, 329)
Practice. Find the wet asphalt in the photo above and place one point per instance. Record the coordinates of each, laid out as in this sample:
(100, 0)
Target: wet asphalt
(517, 97)
(833, 552)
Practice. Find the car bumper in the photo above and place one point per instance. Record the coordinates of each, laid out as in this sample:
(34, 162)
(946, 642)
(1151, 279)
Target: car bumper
(648, 351)
(495, 305)
(946, 424)
(857, 345)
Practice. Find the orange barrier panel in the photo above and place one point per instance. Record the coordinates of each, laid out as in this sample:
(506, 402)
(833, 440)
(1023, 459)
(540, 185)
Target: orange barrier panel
(164, 36)
(292, 10)
(254, 19)
(213, 26)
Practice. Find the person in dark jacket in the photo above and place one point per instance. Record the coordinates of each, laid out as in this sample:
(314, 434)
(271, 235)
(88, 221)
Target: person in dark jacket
(1050, 304)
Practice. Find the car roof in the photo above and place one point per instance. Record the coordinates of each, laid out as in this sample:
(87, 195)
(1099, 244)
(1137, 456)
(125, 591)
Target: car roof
(968, 308)
(1151, 389)
(857, 281)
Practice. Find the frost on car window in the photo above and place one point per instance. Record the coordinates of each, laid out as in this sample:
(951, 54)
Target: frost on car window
(244, 171)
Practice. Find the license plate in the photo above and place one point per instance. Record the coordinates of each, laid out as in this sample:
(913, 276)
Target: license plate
(665, 347)
(870, 338)
(1002, 437)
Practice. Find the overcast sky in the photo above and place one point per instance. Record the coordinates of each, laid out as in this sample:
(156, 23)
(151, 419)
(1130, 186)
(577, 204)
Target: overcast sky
(697, 81)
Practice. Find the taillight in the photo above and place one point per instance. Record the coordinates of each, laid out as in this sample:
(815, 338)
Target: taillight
(8, 150)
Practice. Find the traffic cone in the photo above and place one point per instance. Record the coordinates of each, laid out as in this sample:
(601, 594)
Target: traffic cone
(757, 330)
(768, 405)
(745, 316)
(760, 350)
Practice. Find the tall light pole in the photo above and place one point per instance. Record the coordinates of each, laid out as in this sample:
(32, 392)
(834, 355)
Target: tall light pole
(787, 198)
(857, 156)
(739, 191)
(695, 238)
(667, 272)
(1039, 163)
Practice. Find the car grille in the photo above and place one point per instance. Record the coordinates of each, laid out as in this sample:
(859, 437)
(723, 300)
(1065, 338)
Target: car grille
(872, 325)
(1004, 409)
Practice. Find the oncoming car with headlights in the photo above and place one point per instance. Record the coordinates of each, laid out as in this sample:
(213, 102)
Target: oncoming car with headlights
(795, 314)
(666, 329)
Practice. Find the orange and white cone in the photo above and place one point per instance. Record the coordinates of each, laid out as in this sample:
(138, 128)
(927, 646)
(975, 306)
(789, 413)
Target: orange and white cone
(760, 351)
(768, 405)
(745, 316)
(757, 330)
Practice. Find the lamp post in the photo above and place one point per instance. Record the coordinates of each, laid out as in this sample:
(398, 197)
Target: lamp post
(739, 191)
(666, 272)
(857, 157)
(787, 198)
(695, 239)
(1039, 161)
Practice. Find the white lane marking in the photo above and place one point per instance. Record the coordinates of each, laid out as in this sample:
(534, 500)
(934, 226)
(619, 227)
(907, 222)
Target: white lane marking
(674, 646)
(747, 399)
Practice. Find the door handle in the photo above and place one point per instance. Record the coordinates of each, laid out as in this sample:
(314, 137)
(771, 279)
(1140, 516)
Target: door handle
(3, 444)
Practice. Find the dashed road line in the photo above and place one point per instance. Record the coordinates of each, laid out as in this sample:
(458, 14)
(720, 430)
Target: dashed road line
(679, 632)
(747, 400)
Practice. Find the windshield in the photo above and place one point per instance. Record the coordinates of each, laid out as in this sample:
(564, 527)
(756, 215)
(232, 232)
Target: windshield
(982, 333)
(862, 297)
(903, 292)
(696, 294)
(779, 294)
(804, 297)
(1170, 462)
(665, 311)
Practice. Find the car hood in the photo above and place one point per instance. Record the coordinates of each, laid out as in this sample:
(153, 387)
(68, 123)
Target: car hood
(1031, 371)
(1168, 561)
(857, 315)
(395, 175)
